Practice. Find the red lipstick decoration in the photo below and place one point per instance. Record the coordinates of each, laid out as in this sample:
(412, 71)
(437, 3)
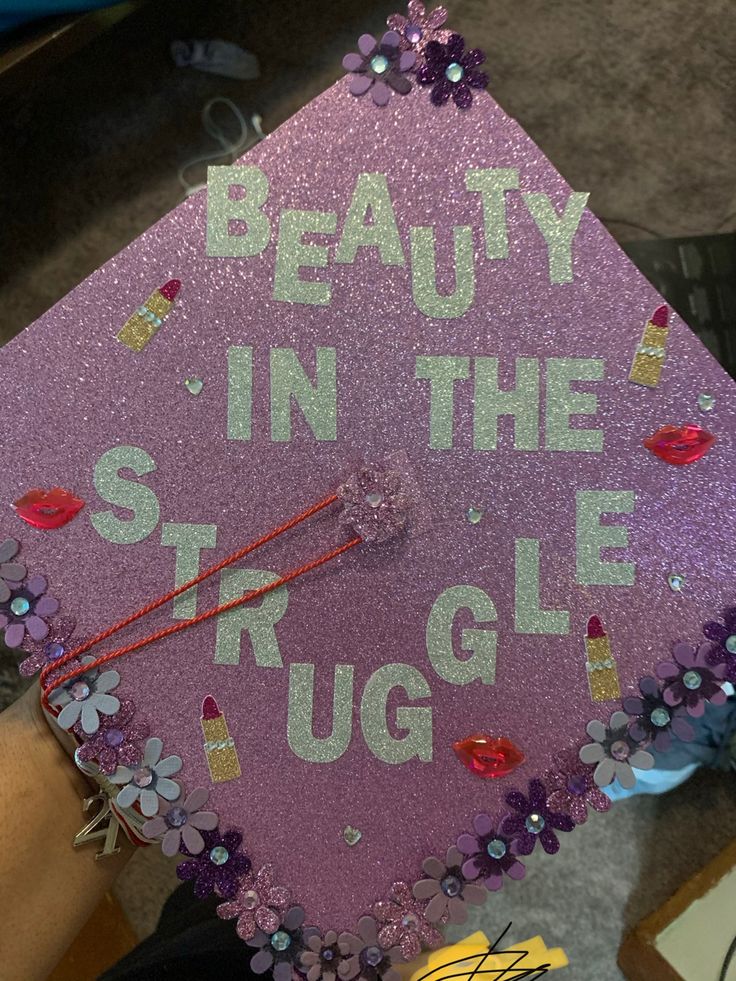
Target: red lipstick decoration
(488, 756)
(48, 509)
(680, 445)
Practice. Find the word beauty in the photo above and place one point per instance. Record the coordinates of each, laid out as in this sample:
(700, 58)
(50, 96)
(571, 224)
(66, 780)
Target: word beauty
(242, 226)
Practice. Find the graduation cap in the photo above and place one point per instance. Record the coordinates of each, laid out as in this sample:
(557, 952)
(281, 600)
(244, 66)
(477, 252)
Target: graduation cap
(365, 514)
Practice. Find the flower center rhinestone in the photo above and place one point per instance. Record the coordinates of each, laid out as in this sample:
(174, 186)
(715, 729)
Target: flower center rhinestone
(731, 644)
(374, 499)
(379, 64)
(620, 750)
(451, 886)
(413, 33)
(53, 651)
(660, 717)
(409, 921)
(692, 680)
(176, 817)
(454, 72)
(79, 691)
(534, 823)
(373, 956)
(280, 940)
(576, 784)
(113, 738)
(20, 606)
(250, 899)
(327, 954)
(219, 854)
(496, 848)
(143, 777)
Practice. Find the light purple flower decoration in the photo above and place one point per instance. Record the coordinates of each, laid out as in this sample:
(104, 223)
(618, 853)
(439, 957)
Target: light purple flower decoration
(690, 681)
(218, 866)
(117, 742)
(535, 820)
(404, 924)
(26, 609)
(654, 720)
(380, 67)
(11, 573)
(447, 889)
(615, 751)
(490, 853)
(452, 71)
(418, 28)
(182, 822)
(150, 781)
(572, 789)
(324, 956)
(54, 645)
(378, 501)
(86, 697)
(280, 952)
(259, 904)
(367, 958)
(723, 636)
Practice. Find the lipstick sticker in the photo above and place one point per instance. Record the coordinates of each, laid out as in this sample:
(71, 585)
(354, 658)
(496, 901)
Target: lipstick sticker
(146, 321)
(650, 355)
(601, 667)
(48, 509)
(222, 756)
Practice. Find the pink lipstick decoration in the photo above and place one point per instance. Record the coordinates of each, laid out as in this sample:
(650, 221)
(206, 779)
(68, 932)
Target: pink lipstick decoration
(680, 445)
(147, 319)
(600, 664)
(650, 355)
(219, 746)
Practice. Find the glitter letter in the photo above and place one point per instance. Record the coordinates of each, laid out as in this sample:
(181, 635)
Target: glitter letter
(292, 253)
(371, 193)
(592, 536)
(521, 402)
(222, 210)
(424, 274)
(317, 401)
(442, 371)
(188, 540)
(415, 719)
(259, 620)
(529, 617)
(492, 183)
(558, 230)
(300, 725)
(127, 494)
(239, 392)
(563, 402)
(482, 643)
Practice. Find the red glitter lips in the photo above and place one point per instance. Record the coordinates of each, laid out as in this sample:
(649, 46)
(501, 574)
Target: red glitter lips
(488, 756)
(679, 445)
(48, 509)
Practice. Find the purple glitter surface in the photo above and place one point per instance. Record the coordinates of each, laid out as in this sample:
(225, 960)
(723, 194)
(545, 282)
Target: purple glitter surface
(73, 391)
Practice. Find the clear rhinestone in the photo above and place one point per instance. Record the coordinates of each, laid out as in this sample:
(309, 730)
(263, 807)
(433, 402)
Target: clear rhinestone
(496, 848)
(373, 956)
(676, 582)
(692, 680)
(250, 899)
(413, 33)
(379, 64)
(280, 940)
(20, 606)
(706, 402)
(473, 515)
(534, 823)
(194, 385)
(327, 954)
(113, 738)
(53, 651)
(454, 72)
(731, 644)
(620, 750)
(219, 854)
(374, 499)
(451, 886)
(176, 817)
(143, 777)
(80, 691)
(409, 921)
(660, 717)
(577, 784)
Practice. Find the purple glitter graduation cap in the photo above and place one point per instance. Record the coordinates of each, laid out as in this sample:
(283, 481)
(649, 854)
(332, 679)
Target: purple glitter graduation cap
(394, 307)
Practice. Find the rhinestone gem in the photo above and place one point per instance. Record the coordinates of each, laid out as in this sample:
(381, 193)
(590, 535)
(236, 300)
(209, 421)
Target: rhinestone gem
(373, 956)
(143, 777)
(676, 582)
(620, 749)
(409, 921)
(577, 784)
(113, 738)
(660, 717)
(53, 651)
(327, 954)
(496, 848)
(731, 644)
(692, 680)
(219, 854)
(80, 690)
(280, 940)
(176, 817)
(374, 499)
(379, 64)
(474, 515)
(20, 606)
(706, 402)
(454, 72)
(194, 385)
(413, 33)
(534, 823)
(451, 886)
(250, 899)
(351, 835)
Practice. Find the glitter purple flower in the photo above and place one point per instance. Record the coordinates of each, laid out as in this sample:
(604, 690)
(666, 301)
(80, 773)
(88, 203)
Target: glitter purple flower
(182, 822)
(281, 951)
(723, 637)
(490, 853)
(84, 698)
(403, 923)
(447, 889)
(380, 67)
(149, 781)
(653, 720)
(689, 679)
(53, 646)
(12, 574)
(377, 501)
(26, 610)
(367, 959)
(452, 71)
(259, 904)
(218, 867)
(615, 751)
(535, 820)
(117, 742)
(418, 28)
(324, 956)
(572, 789)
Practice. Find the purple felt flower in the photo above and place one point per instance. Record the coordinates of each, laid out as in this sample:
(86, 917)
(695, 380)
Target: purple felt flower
(380, 67)
(615, 751)
(689, 679)
(368, 959)
(182, 822)
(723, 636)
(85, 698)
(490, 853)
(418, 28)
(572, 789)
(403, 923)
(117, 742)
(12, 574)
(259, 904)
(447, 889)
(378, 501)
(452, 71)
(655, 721)
(281, 951)
(218, 867)
(26, 610)
(150, 781)
(324, 956)
(535, 820)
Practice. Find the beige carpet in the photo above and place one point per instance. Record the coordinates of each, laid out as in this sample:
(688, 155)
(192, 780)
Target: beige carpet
(633, 101)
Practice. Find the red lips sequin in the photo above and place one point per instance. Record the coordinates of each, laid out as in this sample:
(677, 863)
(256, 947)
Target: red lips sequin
(488, 756)
(48, 509)
(679, 445)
